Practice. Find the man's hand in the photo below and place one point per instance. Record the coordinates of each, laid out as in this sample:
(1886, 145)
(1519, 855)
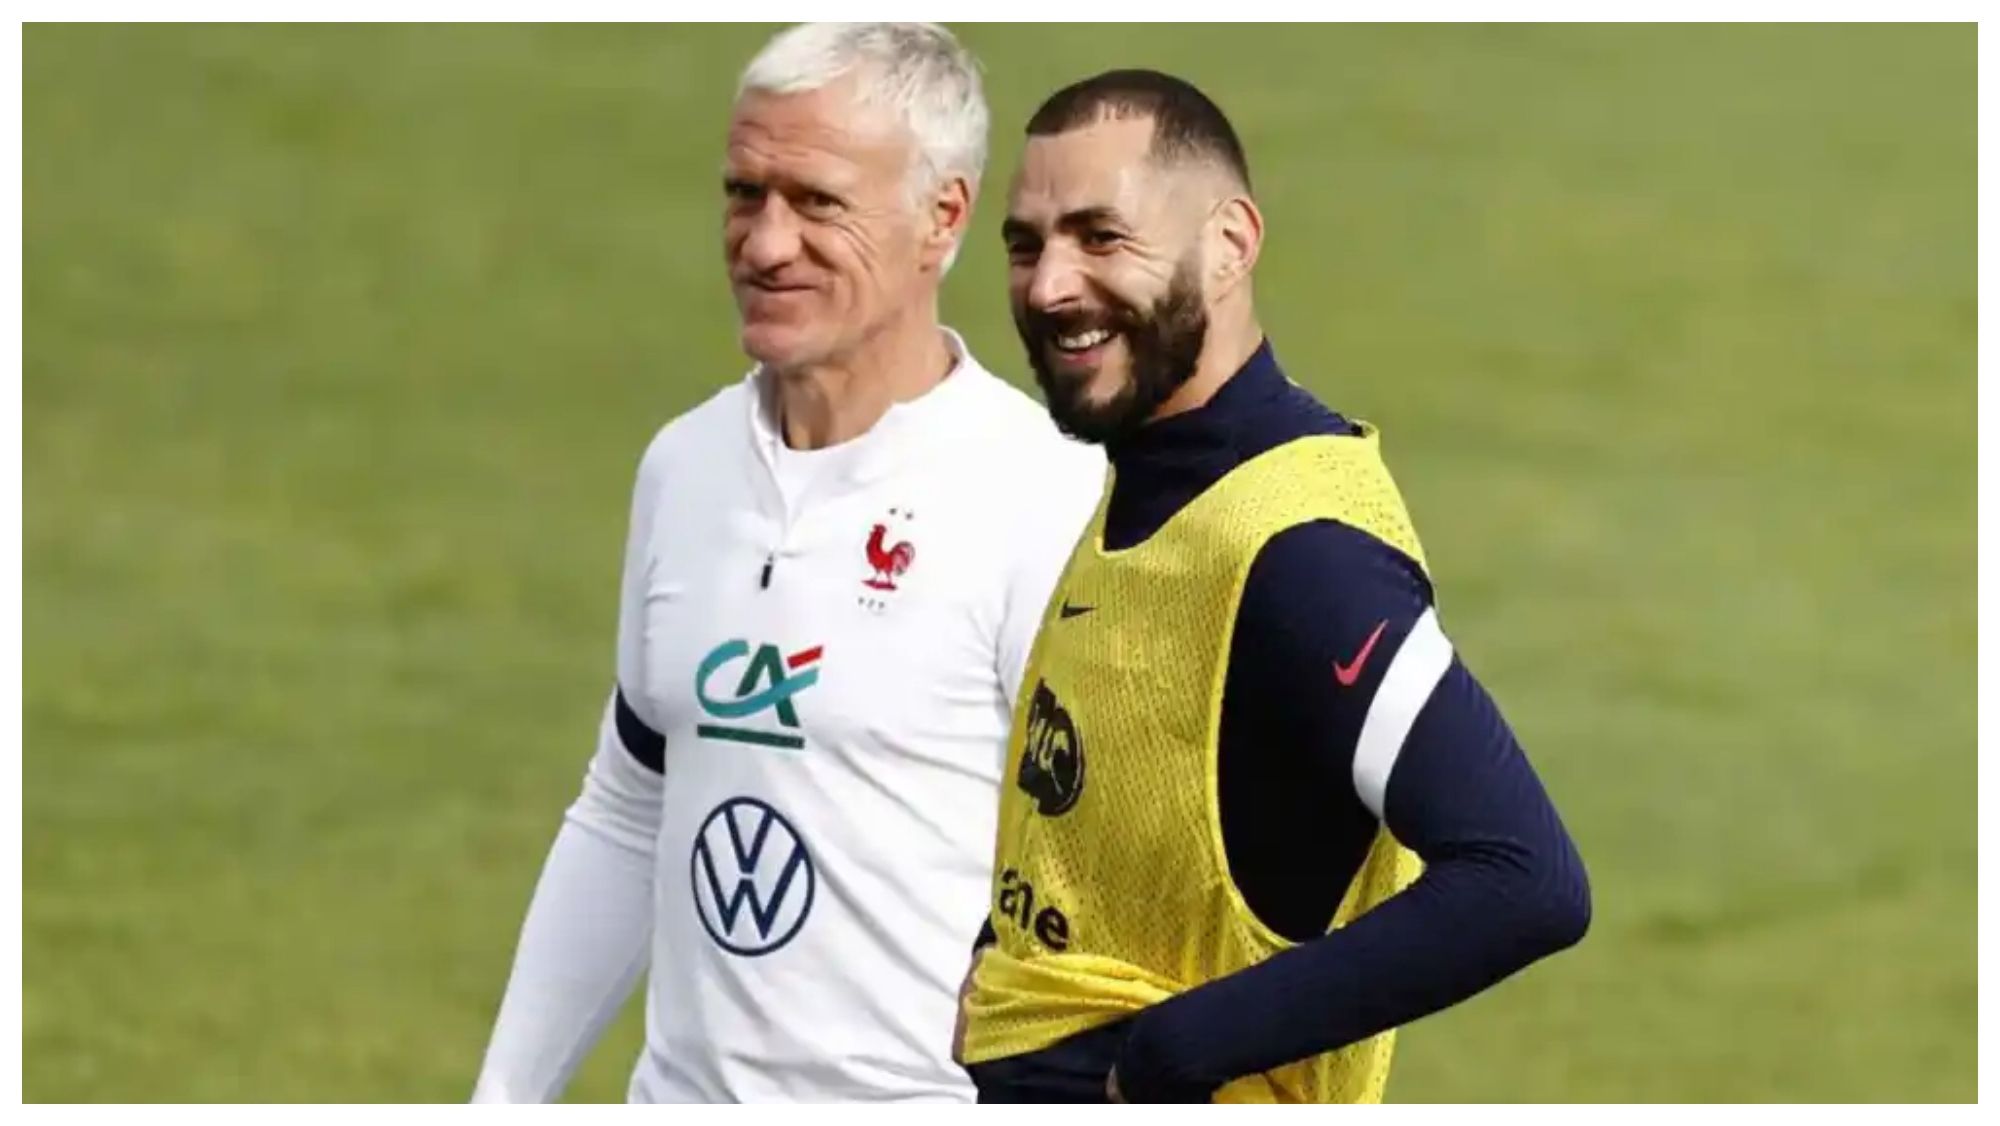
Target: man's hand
(1111, 1087)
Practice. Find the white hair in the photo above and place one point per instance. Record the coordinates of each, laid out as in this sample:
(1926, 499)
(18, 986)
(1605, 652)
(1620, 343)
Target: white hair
(915, 71)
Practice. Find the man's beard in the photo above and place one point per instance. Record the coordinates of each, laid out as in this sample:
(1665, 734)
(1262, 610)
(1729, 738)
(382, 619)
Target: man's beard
(1164, 343)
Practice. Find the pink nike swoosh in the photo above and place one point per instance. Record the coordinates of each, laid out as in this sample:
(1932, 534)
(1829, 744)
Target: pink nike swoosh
(1349, 673)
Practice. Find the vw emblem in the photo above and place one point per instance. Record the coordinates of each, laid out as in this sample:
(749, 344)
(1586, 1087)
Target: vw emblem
(752, 876)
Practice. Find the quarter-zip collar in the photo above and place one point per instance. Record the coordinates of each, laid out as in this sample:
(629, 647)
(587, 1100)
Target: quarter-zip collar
(902, 432)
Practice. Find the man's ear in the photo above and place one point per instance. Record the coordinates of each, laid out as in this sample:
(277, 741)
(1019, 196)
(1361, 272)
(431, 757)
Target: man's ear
(948, 214)
(1236, 238)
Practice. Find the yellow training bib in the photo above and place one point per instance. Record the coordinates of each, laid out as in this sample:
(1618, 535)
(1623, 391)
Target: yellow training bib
(1111, 889)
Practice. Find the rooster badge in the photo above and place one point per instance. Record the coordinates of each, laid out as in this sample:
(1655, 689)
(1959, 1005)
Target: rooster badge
(888, 560)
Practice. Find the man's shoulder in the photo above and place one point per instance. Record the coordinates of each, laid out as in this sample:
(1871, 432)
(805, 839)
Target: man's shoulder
(997, 406)
(700, 432)
(1340, 559)
(1012, 426)
(1032, 478)
(1291, 412)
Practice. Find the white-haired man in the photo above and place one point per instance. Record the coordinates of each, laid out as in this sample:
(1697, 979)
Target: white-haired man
(834, 572)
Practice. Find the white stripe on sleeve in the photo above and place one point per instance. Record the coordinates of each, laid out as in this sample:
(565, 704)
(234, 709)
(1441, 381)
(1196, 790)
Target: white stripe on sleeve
(1420, 663)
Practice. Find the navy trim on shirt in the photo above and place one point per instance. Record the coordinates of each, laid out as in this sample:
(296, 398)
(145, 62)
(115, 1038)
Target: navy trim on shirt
(643, 743)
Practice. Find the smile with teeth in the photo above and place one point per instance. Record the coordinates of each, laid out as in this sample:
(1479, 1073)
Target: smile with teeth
(1081, 341)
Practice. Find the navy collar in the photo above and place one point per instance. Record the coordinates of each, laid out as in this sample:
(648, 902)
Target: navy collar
(1210, 426)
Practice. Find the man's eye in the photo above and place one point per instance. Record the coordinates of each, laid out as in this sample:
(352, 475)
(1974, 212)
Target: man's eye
(819, 203)
(1102, 240)
(741, 191)
(1023, 252)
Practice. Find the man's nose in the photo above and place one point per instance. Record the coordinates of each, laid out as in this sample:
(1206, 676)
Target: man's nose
(1058, 281)
(772, 239)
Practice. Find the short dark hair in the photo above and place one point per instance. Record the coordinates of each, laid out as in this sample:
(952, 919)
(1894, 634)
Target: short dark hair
(1186, 124)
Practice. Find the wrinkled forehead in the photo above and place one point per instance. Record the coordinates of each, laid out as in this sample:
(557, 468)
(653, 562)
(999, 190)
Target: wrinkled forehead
(828, 131)
(1105, 166)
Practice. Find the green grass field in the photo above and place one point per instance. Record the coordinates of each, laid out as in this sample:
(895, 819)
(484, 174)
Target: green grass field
(342, 345)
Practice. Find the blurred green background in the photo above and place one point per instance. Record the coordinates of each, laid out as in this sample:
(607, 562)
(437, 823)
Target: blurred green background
(342, 345)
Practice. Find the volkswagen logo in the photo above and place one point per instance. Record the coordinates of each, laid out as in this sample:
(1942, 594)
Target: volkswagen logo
(753, 879)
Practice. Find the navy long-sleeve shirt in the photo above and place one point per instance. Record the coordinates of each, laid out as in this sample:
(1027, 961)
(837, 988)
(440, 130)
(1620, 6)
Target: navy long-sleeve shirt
(1323, 619)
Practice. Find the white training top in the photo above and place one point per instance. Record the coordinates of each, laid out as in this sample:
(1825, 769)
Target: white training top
(830, 645)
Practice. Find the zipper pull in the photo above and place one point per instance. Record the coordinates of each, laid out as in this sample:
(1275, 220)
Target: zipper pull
(764, 582)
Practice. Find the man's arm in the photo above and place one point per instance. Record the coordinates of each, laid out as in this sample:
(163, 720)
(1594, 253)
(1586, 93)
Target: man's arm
(1427, 751)
(589, 929)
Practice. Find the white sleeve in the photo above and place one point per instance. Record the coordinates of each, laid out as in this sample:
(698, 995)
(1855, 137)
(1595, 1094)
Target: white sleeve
(589, 929)
(586, 938)
(1062, 509)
